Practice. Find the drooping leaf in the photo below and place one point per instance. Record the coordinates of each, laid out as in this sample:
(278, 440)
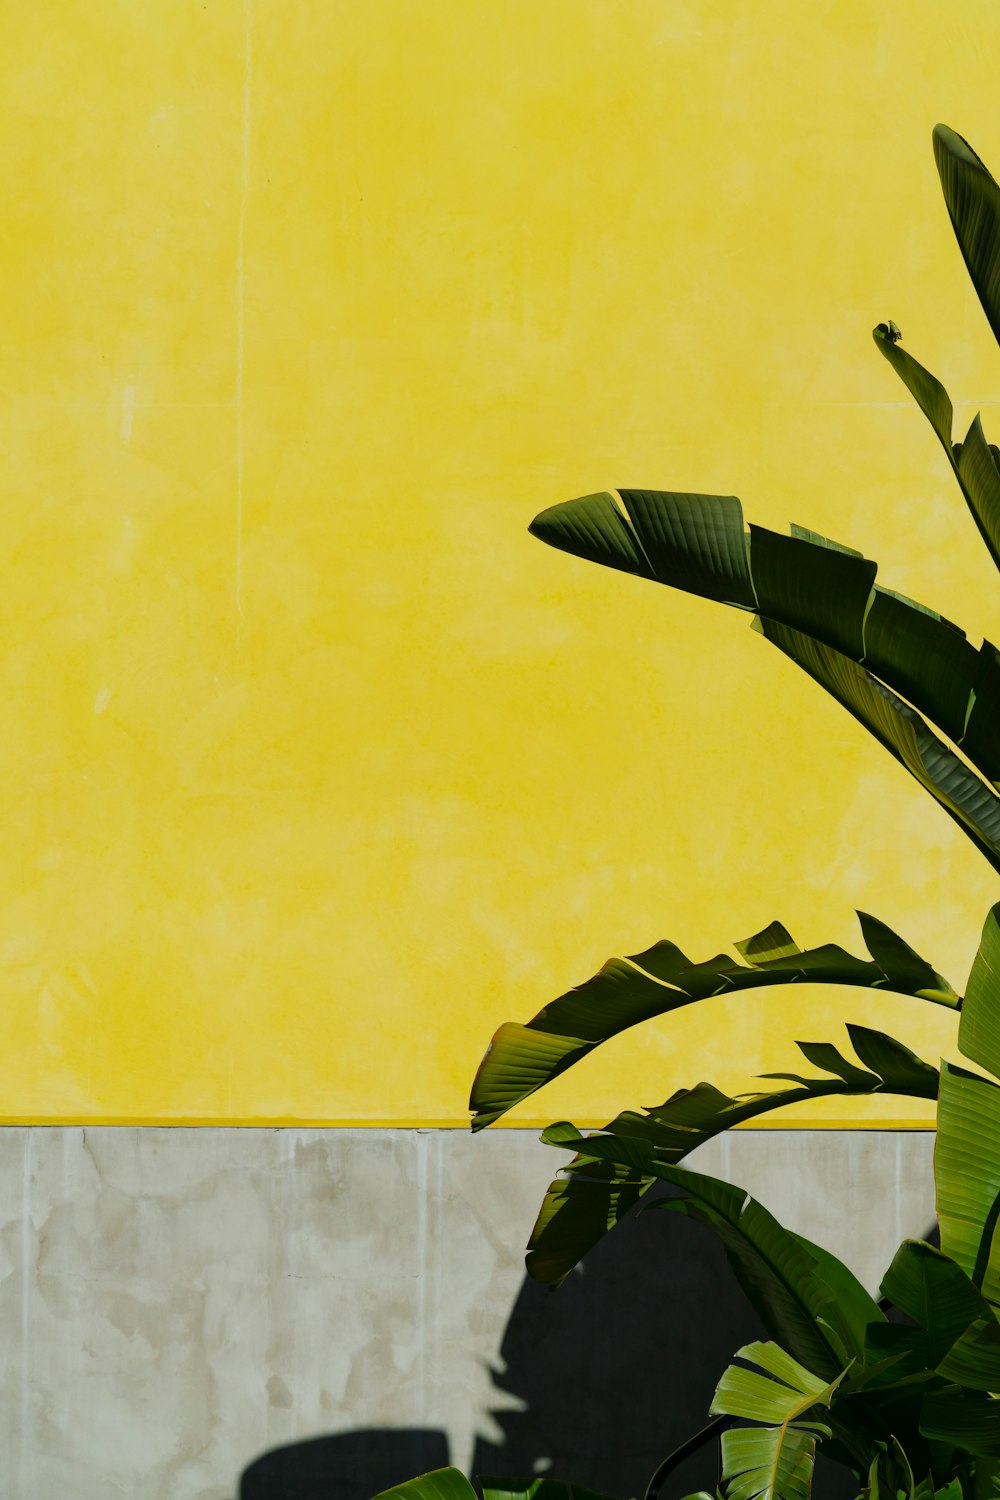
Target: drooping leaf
(777, 1270)
(577, 1211)
(778, 1277)
(591, 1200)
(973, 200)
(521, 1058)
(924, 659)
(979, 1028)
(925, 388)
(439, 1484)
(967, 1174)
(853, 1309)
(803, 583)
(964, 796)
(774, 1462)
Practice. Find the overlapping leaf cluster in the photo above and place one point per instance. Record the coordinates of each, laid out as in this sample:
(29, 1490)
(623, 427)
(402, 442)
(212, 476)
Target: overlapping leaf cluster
(912, 1408)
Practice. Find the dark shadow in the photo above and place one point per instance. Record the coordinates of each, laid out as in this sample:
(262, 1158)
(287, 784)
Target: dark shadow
(618, 1367)
(344, 1466)
(613, 1371)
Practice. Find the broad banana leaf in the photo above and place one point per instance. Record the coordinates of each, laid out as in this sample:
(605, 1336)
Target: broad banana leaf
(967, 1174)
(973, 200)
(775, 1461)
(974, 1359)
(802, 582)
(626, 991)
(932, 1289)
(947, 1309)
(582, 1207)
(979, 1028)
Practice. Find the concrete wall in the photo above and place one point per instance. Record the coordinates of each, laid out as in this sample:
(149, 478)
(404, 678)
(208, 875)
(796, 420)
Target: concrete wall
(175, 1303)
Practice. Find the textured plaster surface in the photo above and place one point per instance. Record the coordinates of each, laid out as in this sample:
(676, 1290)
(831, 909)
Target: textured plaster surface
(175, 1302)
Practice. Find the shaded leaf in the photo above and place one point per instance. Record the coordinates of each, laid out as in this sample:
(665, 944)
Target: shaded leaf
(973, 200)
(932, 1289)
(974, 1358)
(579, 1210)
(971, 1422)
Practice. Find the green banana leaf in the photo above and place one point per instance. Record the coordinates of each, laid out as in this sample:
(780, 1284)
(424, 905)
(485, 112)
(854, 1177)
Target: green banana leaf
(932, 1289)
(439, 1484)
(957, 789)
(974, 1359)
(986, 1480)
(802, 582)
(595, 1194)
(973, 200)
(954, 1330)
(808, 1301)
(967, 1174)
(970, 1421)
(626, 991)
(979, 1028)
(775, 1461)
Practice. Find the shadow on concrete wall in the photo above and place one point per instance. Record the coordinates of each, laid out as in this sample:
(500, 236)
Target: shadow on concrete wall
(614, 1370)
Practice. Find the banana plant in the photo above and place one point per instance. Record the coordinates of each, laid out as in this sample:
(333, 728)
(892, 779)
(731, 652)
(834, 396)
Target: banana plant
(913, 1410)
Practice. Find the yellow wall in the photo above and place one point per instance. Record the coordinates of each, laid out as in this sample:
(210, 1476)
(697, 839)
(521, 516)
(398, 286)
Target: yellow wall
(313, 765)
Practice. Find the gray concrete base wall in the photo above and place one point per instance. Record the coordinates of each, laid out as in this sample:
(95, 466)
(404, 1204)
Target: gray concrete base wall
(174, 1303)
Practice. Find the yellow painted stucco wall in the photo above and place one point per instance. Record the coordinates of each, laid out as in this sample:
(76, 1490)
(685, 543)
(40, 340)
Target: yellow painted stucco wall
(314, 766)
